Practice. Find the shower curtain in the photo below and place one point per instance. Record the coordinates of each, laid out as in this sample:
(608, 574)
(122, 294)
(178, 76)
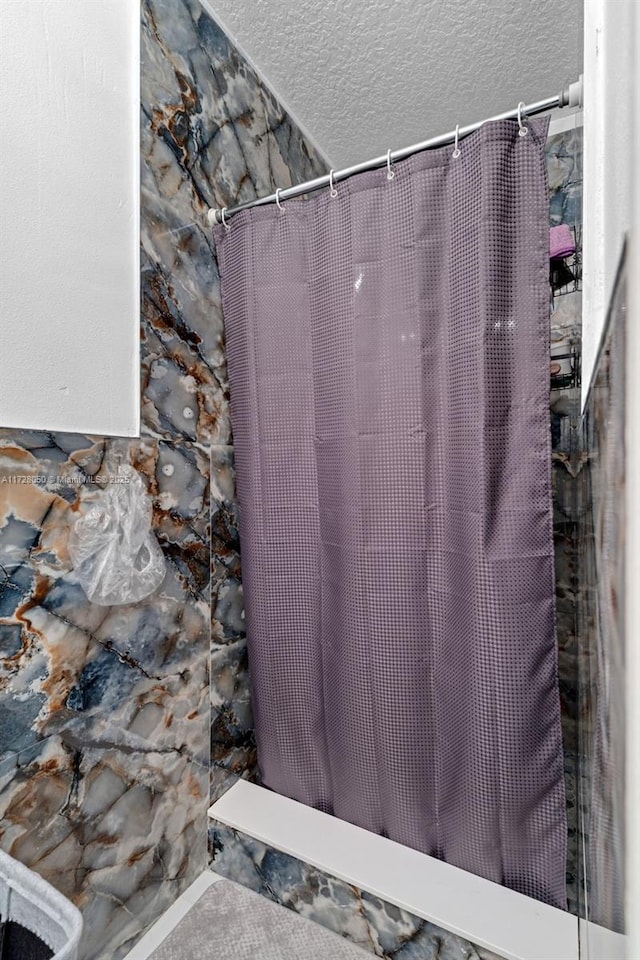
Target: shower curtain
(389, 369)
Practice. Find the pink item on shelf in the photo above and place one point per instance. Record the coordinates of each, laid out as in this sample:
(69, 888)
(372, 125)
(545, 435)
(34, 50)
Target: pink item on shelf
(561, 242)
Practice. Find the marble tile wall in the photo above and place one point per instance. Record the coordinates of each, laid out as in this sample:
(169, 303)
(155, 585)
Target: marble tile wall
(110, 732)
(564, 166)
(600, 614)
(104, 746)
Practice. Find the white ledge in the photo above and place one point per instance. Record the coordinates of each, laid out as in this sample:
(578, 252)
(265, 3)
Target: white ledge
(512, 925)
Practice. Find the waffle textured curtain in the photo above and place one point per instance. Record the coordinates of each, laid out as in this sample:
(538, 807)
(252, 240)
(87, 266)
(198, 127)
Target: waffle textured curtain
(389, 367)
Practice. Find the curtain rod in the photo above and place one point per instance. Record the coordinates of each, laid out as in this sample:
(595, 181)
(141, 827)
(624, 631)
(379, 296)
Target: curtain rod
(571, 96)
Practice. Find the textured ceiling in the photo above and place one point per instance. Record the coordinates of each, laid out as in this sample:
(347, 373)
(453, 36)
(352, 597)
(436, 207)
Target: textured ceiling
(360, 76)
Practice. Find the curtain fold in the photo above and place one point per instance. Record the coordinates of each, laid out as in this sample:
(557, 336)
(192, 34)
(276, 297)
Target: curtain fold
(389, 368)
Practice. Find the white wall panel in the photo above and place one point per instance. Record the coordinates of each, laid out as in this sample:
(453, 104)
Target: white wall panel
(69, 263)
(608, 161)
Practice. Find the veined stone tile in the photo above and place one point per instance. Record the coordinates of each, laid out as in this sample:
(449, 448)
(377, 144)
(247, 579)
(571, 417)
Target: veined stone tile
(233, 749)
(117, 830)
(381, 928)
(212, 136)
(104, 755)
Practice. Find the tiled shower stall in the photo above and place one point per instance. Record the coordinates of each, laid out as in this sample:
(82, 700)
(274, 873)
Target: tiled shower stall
(120, 725)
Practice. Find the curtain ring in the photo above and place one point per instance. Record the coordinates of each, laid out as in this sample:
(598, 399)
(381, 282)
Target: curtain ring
(332, 190)
(390, 172)
(226, 225)
(278, 204)
(523, 131)
(456, 150)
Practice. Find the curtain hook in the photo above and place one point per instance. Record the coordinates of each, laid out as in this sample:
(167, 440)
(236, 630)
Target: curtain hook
(226, 225)
(278, 204)
(390, 172)
(332, 190)
(523, 131)
(456, 150)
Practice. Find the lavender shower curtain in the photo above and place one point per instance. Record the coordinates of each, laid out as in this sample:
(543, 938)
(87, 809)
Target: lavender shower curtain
(389, 368)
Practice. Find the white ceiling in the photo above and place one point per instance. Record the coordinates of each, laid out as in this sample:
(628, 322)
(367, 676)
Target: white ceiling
(360, 76)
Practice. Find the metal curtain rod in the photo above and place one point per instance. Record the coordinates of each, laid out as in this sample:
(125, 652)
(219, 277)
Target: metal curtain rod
(569, 97)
